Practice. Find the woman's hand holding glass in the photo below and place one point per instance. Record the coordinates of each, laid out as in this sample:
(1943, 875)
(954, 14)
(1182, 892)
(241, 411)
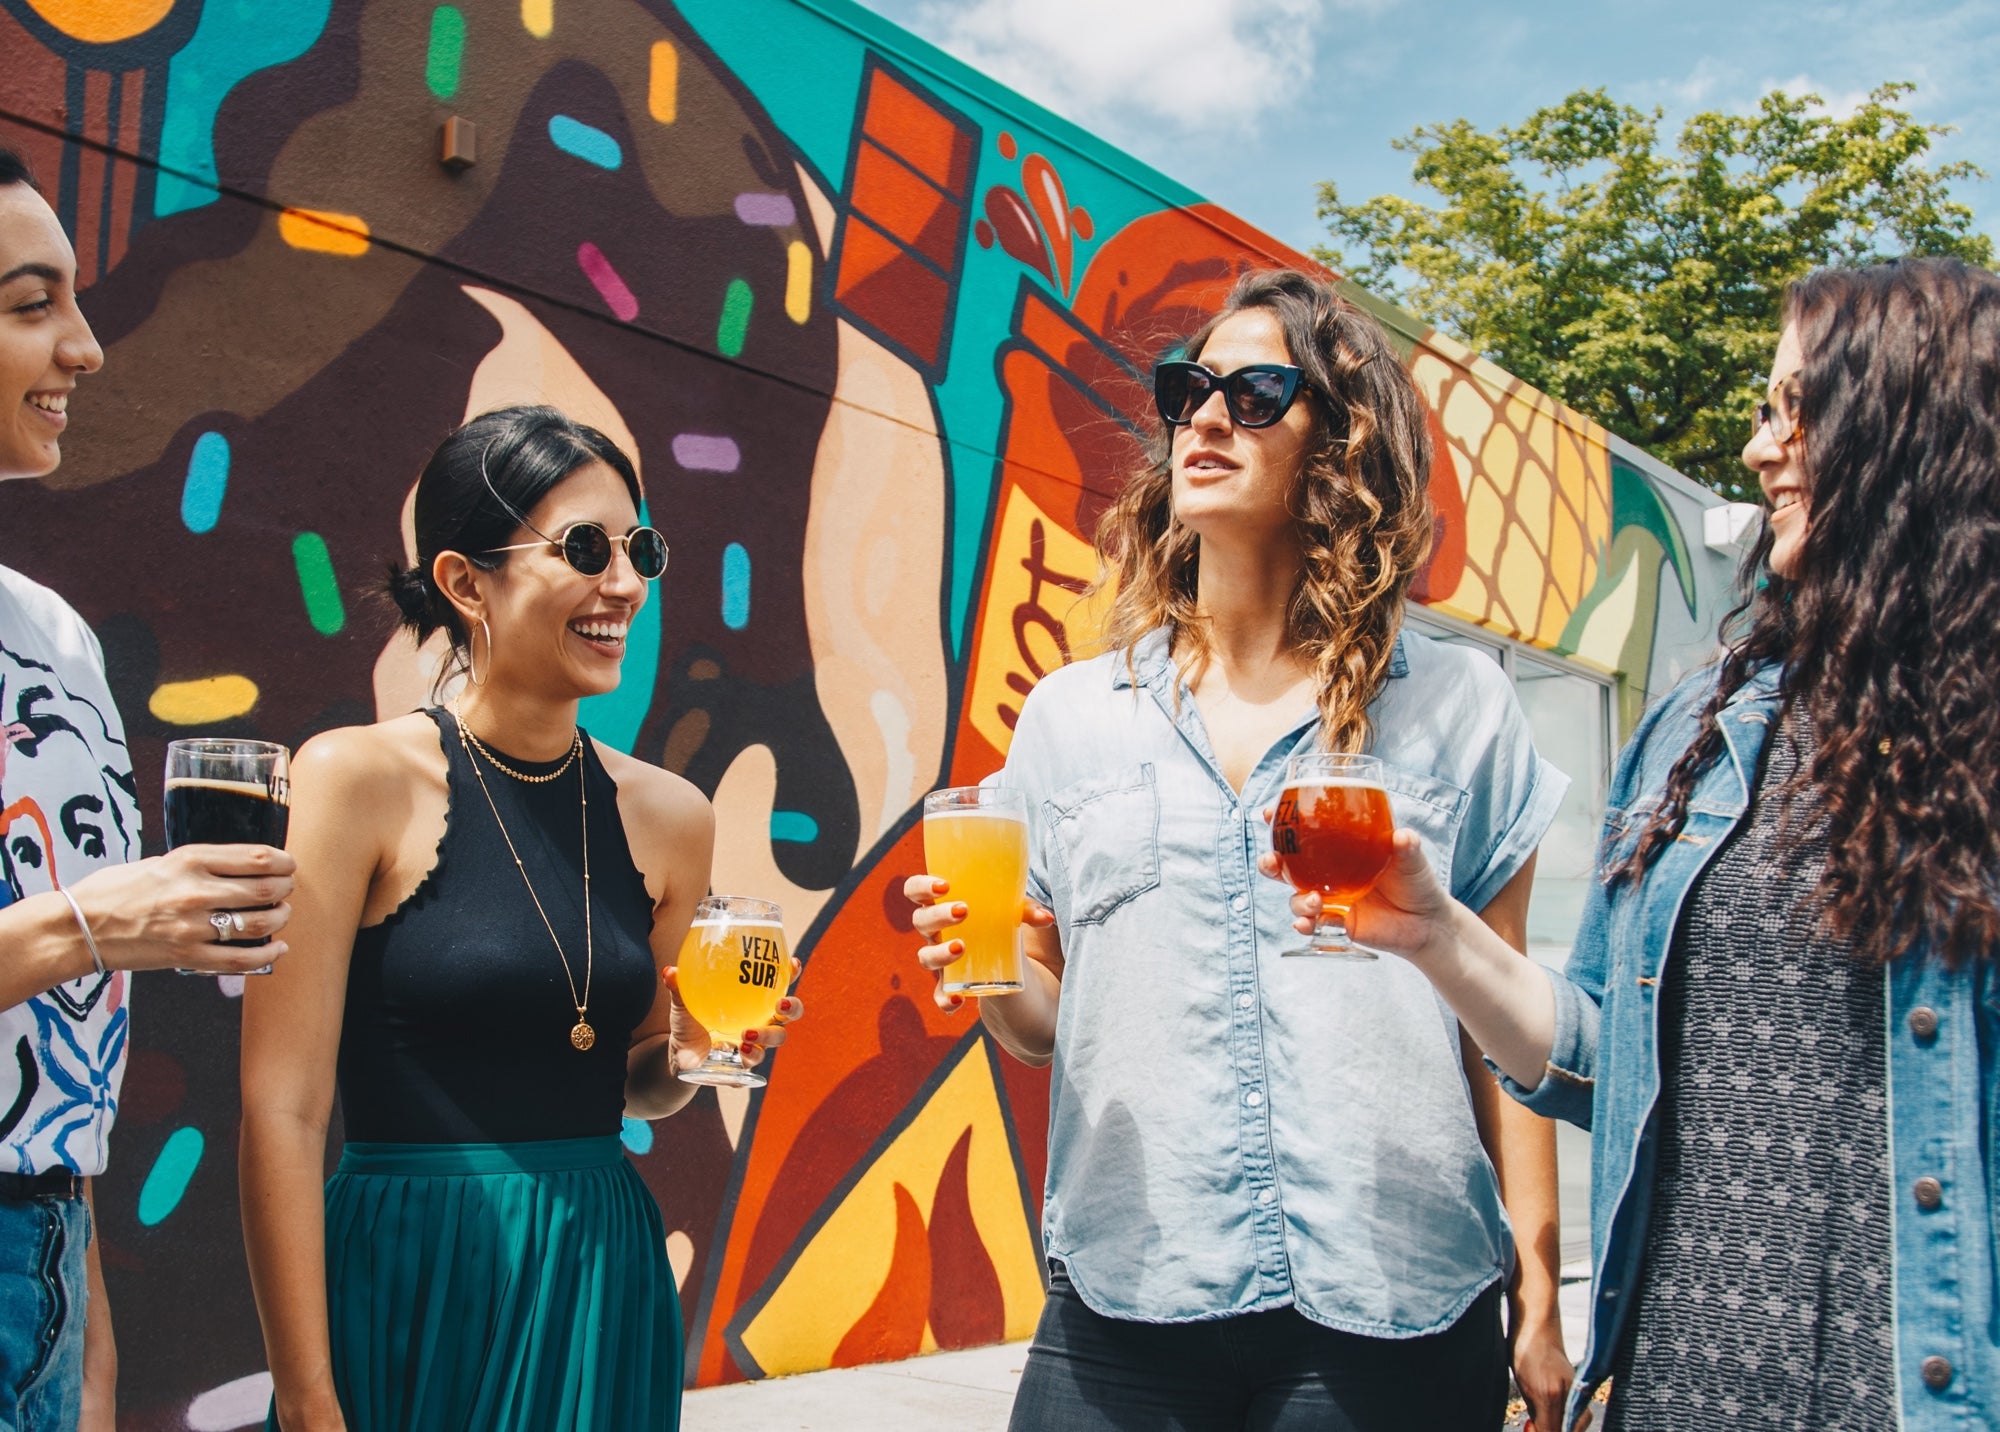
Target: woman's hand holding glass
(1407, 913)
(158, 913)
(935, 916)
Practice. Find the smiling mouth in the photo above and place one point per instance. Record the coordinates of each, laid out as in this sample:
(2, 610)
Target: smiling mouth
(1784, 503)
(50, 405)
(609, 636)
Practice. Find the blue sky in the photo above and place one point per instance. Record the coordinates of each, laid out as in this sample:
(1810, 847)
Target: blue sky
(1253, 101)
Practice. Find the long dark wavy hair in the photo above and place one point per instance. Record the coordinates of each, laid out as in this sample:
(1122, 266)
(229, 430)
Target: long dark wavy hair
(1886, 634)
(1360, 508)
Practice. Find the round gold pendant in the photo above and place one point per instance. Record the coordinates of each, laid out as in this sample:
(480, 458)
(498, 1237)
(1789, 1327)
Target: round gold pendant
(582, 1036)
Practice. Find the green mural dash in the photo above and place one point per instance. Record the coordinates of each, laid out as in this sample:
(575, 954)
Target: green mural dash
(324, 608)
(447, 51)
(161, 1193)
(735, 324)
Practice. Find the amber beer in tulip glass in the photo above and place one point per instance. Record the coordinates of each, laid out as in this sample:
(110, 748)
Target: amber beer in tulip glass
(1332, 834)
(734, 968)
(976, 837)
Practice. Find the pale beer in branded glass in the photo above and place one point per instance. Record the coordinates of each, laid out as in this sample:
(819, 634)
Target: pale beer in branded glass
(734, 968)
(226, 792)
(1333, 834)
(976, 838)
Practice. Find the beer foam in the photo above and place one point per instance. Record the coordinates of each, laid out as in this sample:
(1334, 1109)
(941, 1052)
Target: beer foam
(979, 813)
(257, 789)
(733, 924)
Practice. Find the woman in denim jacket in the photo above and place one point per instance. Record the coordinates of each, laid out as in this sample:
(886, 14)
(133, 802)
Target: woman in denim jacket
(1270, 1202)
(1781, 1020)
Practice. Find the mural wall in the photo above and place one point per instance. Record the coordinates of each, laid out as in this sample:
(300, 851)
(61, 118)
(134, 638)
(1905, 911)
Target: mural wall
(876, 333)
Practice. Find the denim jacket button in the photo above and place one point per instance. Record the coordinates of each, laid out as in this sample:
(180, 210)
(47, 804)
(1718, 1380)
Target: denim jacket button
(1240, 903)
(1937, 1373)
(1929, 1194)
(1924, 1022)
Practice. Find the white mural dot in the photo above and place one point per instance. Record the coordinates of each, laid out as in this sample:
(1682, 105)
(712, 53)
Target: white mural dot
(241, 1403)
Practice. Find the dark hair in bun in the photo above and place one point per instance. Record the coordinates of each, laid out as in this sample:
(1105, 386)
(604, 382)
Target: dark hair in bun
(473, 496)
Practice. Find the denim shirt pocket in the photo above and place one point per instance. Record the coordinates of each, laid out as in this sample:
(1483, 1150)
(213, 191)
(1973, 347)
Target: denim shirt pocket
(1107, 836)
(1433, 808)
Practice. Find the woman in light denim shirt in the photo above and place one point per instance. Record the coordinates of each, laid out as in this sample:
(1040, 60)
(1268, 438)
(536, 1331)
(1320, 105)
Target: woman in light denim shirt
(1792, 1093)
(1269, 1202)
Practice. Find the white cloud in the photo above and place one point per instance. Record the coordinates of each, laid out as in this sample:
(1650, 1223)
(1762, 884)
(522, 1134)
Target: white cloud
(1187, 64)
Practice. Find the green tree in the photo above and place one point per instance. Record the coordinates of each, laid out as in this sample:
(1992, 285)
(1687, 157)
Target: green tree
(1641, 285)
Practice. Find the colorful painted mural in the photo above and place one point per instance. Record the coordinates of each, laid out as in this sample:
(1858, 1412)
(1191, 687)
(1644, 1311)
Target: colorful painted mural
(876, 333)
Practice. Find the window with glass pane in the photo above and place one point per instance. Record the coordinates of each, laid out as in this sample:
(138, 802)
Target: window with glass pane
(1570, 716)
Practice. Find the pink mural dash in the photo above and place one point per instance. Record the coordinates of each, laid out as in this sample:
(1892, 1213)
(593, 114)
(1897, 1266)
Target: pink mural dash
(610, 287)
(773, 210)
(700, 452)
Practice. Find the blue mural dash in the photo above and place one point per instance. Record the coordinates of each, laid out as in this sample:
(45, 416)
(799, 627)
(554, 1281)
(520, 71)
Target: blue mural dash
(161, 1194)
(637, 1135)
(794, 826)
(615, 716)
(207, 481)
(233, 41)
(586, 141)
(735, 586)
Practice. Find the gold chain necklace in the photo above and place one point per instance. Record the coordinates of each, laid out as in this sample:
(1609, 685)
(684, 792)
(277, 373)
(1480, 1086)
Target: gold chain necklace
(581, 1036)
(467, 734)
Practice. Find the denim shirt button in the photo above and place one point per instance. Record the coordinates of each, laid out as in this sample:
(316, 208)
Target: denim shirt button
(1929, 1194)
(1240, 904)
(1937, 1373)
(1245, 1000)
(1924, 1022)
(1255, 1098)
(1264, 1197)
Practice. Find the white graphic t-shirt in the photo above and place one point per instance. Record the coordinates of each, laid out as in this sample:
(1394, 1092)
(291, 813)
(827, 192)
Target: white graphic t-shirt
(68, 805)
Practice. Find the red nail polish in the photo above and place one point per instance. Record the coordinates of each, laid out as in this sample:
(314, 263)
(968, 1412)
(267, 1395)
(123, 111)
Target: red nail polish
(751, 1036)
(959, 911)
(957, 947)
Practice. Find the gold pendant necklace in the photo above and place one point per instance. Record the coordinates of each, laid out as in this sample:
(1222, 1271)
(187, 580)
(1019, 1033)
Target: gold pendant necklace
(581, 1035)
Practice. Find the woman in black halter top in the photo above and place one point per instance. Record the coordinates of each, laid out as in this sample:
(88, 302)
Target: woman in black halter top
(488, 903)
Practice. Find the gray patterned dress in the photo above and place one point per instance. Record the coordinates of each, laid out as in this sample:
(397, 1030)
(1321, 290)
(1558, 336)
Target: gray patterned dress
(1764, 1300)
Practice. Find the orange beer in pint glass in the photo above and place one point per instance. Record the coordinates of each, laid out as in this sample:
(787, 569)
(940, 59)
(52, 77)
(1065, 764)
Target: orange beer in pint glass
(976, 837)
(1332, 834)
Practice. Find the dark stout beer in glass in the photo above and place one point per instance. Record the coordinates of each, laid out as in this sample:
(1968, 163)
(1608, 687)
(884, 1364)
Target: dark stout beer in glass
(228, 793)
(1333, 833)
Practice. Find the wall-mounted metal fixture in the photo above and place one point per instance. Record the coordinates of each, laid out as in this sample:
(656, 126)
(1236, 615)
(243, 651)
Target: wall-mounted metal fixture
(1732, 527)
(460, 147)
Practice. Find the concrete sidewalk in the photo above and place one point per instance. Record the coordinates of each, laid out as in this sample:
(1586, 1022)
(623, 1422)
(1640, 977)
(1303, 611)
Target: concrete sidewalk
(965, 1391)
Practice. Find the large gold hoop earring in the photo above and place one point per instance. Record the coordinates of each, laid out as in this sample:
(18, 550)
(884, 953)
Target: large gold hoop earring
(471, 674)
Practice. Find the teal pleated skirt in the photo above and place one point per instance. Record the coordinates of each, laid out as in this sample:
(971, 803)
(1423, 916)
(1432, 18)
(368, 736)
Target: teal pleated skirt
(499, 1288)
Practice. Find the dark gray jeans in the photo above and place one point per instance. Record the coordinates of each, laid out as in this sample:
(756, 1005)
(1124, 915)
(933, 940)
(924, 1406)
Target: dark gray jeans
(1257, 1372)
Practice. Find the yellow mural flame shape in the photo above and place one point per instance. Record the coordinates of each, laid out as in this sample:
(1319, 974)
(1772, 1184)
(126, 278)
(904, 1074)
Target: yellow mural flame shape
(798, 1324)
(102, 22)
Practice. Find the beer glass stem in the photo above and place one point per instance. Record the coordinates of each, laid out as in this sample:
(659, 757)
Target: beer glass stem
(1332, 938)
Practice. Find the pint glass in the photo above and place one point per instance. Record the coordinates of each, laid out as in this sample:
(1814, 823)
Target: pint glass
(734, 968)
(976, 837)
(228, 793)
(1332, 834)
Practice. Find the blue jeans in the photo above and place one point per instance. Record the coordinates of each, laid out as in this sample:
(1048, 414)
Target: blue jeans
(1257, 1372)
(43, 1289)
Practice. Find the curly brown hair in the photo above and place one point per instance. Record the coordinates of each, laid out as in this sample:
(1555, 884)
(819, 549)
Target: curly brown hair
(1885, 634)
(1360, 505)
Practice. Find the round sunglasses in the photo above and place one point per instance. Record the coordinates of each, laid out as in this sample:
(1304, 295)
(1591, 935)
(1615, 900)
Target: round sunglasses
(1256, 396)
(586, 546)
